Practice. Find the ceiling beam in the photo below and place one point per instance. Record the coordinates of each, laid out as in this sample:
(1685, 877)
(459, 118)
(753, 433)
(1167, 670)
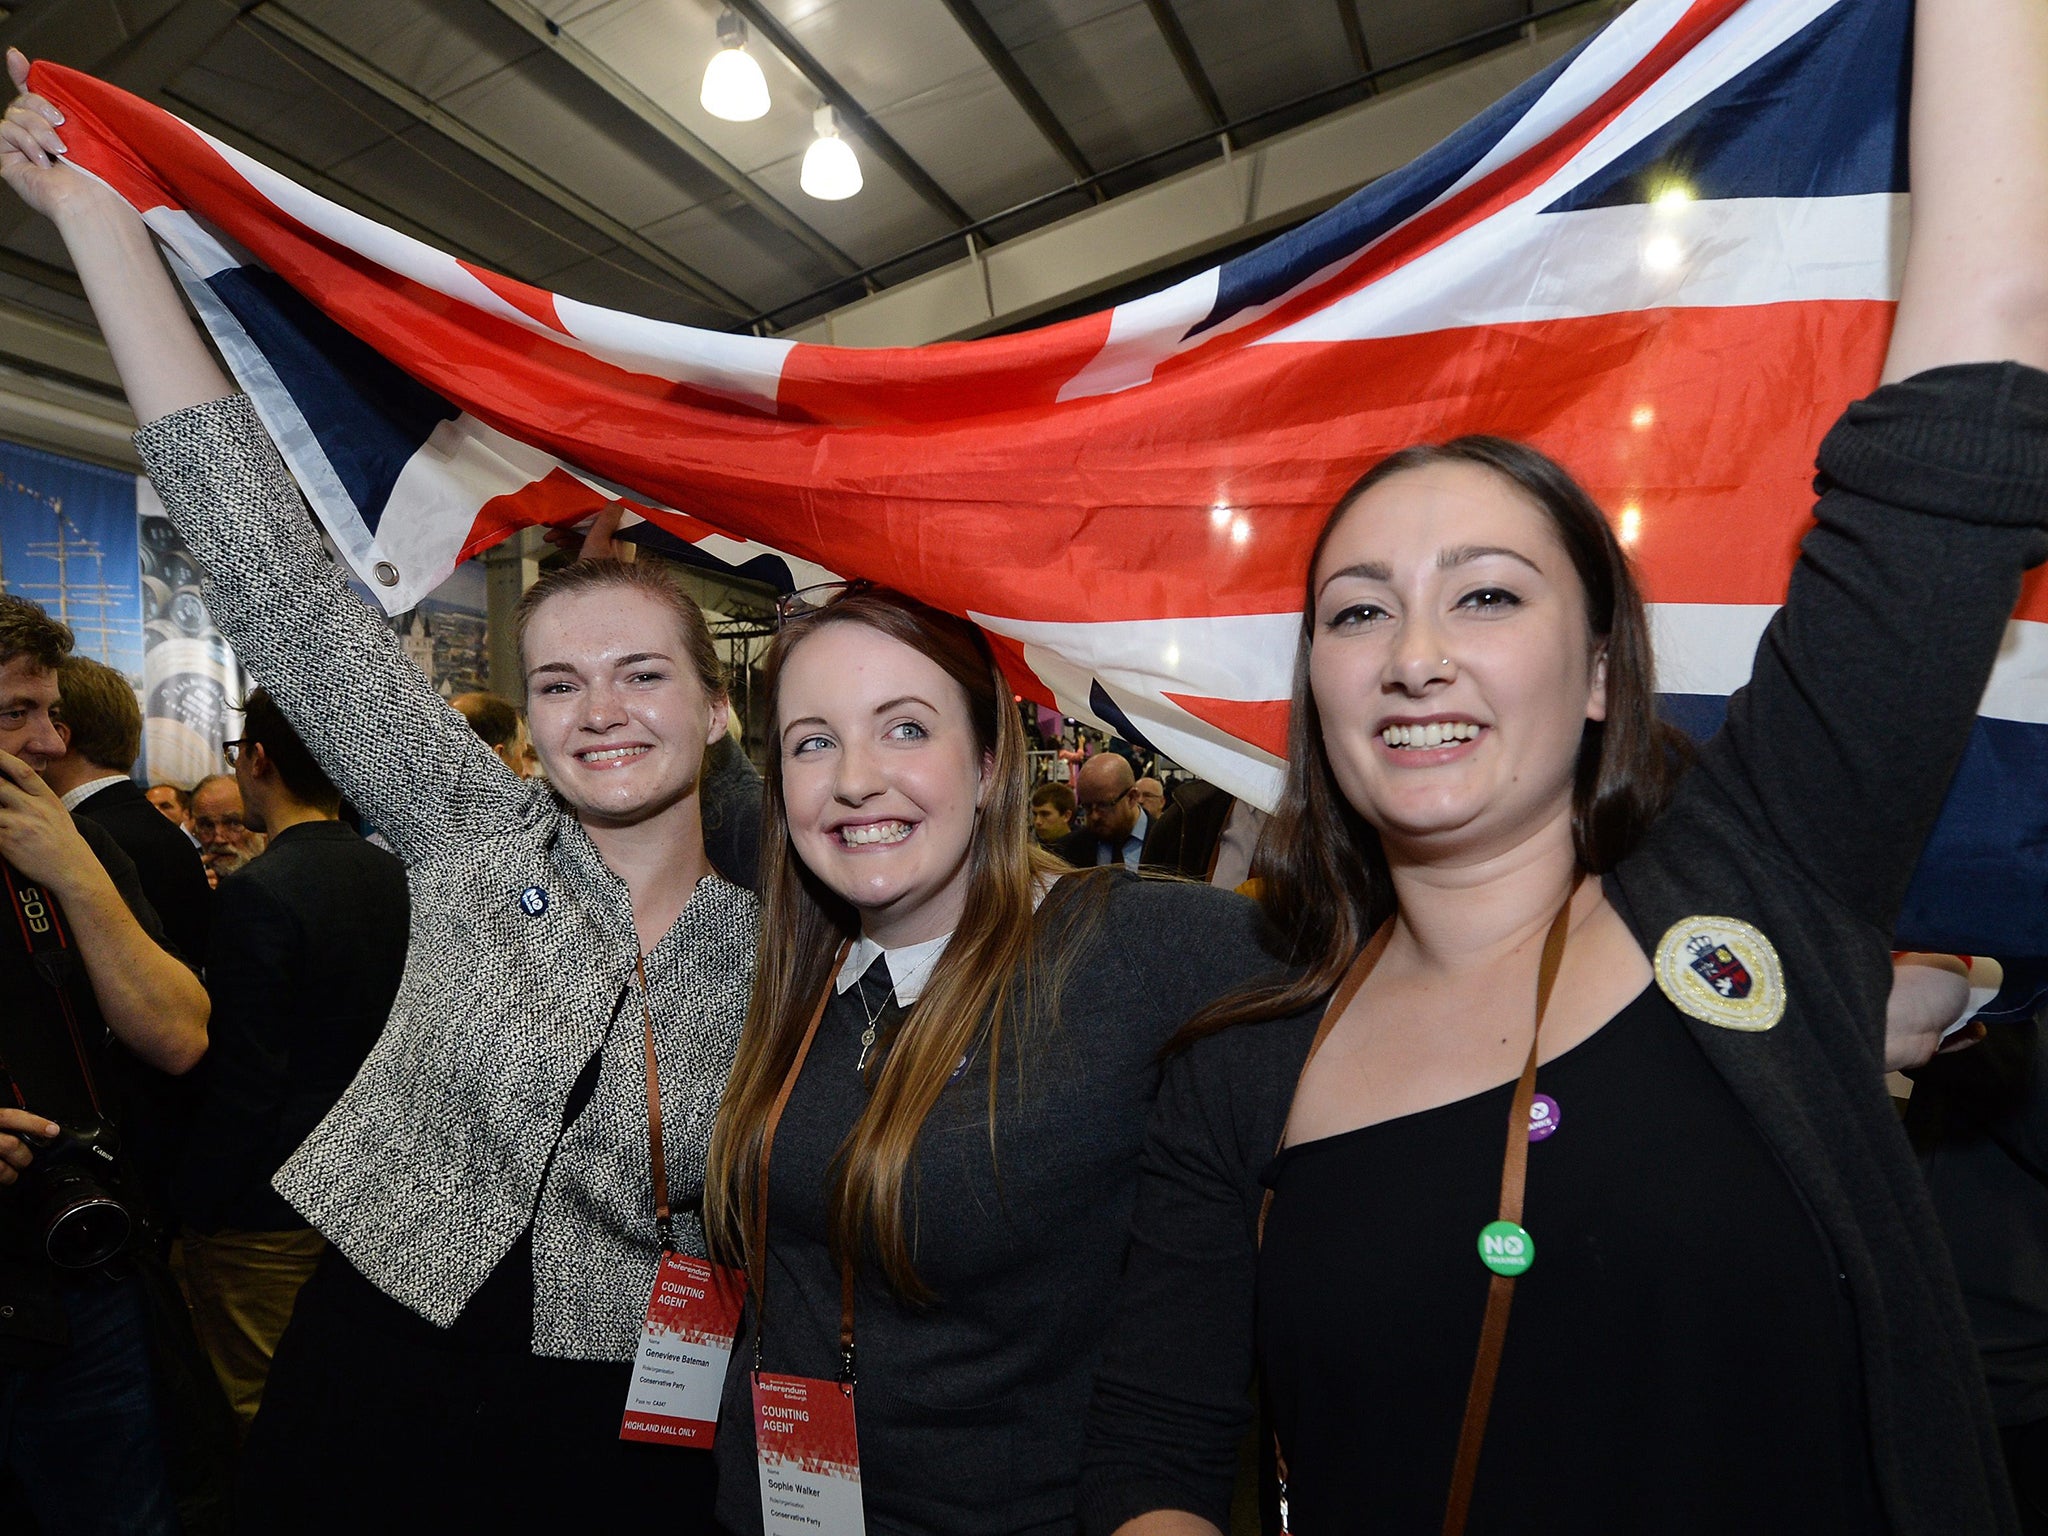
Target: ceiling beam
(57, 279)
(586, 62)
(1183, 50)
(319, 181)
(75, 33)
(1354, 38)
(1011, 73)
(55, 348)
(331, 53)
(1274, 184)
(853, 117)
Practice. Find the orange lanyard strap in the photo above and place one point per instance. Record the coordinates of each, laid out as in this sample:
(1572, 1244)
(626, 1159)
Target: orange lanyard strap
(664, 1225)
(847, 1373)
(1493, 1328)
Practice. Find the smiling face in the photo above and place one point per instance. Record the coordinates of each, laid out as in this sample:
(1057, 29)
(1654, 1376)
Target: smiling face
(617, 716)
(28, 713)
(882, 778)
(1451, 662)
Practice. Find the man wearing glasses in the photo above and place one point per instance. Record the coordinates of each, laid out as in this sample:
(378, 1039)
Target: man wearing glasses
(221, 823)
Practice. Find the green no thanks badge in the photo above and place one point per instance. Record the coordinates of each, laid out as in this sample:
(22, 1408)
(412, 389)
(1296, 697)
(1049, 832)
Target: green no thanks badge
(1505, 1248)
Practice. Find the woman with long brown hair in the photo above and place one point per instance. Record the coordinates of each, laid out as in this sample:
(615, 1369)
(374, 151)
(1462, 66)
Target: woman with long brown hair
(927, 1153)
(1561, 1186)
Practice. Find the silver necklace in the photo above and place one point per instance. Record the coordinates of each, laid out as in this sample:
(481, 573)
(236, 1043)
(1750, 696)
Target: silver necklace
(867, 1036)
(874, 1015)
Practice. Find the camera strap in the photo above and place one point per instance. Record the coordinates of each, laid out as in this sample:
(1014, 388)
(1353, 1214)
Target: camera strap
(40, 922)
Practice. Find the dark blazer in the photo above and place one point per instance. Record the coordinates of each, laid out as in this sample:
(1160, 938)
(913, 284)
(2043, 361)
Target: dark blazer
(158, 1109)
(172, 877)
(309, 942)
(1078, 846)
(1189, 830)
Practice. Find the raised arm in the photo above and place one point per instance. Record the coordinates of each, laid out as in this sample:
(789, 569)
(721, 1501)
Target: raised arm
(388, 742)
(1976, 287)
(1935, 491)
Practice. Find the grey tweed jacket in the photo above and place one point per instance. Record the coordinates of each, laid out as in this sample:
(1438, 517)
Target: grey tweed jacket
(521, 962)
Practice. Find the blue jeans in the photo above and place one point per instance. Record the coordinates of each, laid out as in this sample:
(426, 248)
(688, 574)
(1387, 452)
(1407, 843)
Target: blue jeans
(80, 1435)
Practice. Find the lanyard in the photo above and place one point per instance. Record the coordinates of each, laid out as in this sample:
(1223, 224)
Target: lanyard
(664, 1225)
(1500, 1292)
(847, 1375)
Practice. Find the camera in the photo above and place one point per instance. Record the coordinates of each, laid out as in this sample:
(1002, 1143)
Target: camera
(68, 1193)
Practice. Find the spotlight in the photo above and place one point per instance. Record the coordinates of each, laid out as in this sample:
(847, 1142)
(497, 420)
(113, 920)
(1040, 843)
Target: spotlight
(734, 87)
(831, 172)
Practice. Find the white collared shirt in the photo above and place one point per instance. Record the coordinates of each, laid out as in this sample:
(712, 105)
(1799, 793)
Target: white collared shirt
(74, 798)
(909, 967)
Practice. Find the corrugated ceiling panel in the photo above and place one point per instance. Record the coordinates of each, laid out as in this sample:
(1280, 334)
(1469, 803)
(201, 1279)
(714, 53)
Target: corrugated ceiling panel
(1262, 56)
(1397, 33)
(1104, 69)
(431, 45)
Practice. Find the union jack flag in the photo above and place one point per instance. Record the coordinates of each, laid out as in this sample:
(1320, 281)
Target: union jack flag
(1669, 260)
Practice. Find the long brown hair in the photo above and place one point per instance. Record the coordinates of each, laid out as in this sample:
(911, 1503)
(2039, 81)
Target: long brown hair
(1324, 880)
(964, 1006)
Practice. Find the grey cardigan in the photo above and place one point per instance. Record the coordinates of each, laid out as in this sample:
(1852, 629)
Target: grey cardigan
(520, 966)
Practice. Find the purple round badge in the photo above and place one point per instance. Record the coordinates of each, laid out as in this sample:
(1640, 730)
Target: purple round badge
(1542, 1117)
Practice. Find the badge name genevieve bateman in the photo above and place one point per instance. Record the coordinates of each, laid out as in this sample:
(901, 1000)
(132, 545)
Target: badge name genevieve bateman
(1723, 971)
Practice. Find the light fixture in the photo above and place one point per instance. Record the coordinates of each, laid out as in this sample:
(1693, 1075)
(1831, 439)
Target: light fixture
(1631, 524)
(734, 87)
(831, 171)
(1642, 417)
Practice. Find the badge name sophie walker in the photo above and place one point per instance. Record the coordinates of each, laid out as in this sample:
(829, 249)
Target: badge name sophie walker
(808, 1455)
(1722, 971)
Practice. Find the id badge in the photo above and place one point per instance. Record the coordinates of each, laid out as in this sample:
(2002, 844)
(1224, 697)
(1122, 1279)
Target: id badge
(808, 1456)
(679, 1369)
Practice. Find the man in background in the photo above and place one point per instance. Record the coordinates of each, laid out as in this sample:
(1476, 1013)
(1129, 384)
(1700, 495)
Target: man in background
(102, 724)
(219, 821)
(1151, 796)
(175, 805)
(497, 722)
(1052, 815)
(308, 944)
(1115, 826)
(81, 1428)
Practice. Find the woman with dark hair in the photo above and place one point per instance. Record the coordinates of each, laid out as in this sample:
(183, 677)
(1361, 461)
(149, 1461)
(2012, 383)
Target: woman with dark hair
(1576, 1011)
(927, 1154)
(527, 1135)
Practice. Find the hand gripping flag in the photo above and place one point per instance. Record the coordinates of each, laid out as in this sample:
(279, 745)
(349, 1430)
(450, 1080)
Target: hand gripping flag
(1669, 260)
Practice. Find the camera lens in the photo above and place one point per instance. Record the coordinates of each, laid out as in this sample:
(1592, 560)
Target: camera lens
(83, 1225)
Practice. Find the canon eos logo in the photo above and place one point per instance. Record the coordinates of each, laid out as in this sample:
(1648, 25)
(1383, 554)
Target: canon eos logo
(34, 910)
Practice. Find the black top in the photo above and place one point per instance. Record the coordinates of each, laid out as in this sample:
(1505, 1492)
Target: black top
(1979, 1119)
(166, 863)
(159, 1109)
(37, 1048)
(970, 1411)
(309, 942)
(1682, 1318)
(1803, 817)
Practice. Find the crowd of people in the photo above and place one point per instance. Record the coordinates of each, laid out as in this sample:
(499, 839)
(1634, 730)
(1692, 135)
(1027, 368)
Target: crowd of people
(1496, 1131)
